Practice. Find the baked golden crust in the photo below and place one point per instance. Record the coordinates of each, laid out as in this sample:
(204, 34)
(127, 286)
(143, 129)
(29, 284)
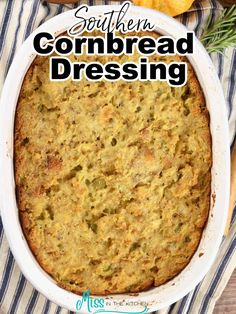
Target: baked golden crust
(112, 178)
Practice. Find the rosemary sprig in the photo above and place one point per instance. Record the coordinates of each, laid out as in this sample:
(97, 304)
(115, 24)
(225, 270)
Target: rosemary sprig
(222, 34)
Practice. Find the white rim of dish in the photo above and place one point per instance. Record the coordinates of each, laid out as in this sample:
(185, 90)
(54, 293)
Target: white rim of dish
(158, 297)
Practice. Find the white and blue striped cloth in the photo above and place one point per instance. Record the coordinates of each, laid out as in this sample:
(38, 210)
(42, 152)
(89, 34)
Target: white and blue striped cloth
(18, 19)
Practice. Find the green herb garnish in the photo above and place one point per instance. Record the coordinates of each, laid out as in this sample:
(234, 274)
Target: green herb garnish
(222, 33)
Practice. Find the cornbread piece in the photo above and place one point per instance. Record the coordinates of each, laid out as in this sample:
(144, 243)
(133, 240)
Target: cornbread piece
(113, 178)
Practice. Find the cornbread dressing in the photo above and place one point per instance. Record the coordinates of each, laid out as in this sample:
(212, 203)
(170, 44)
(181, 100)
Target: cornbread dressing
(112, 178)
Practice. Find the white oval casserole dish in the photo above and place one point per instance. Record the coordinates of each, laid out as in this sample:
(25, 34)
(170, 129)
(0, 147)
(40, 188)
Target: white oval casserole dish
(155, 298)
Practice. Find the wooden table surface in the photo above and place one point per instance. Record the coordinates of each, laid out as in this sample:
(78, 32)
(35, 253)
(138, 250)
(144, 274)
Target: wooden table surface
(227, 303)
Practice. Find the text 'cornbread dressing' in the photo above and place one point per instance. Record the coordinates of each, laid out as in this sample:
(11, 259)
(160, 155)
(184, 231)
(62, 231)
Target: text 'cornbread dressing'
(113, 178)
